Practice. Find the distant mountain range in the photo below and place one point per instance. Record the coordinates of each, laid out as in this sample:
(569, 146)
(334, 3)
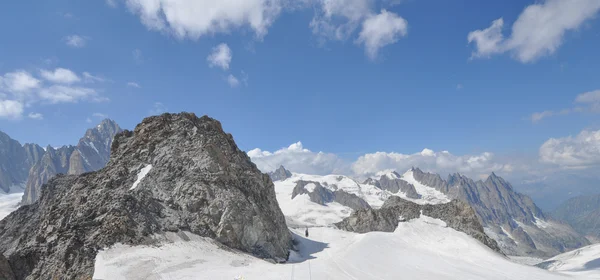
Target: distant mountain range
(583, 214)
(25, 168)
(512, 219)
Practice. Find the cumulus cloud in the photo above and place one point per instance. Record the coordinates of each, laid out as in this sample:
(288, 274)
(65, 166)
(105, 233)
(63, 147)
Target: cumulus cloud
(538, 31)
(338, 19)
(440, 162)
(300, 160)
(36, 116)
(21, 89)
(233, 81)
(220, 57)
(60, 75)
(10, 109)
(67, 94)
(18, 81)
(381, 30)
(580, 151)
(195, 18)
(592, 97)
(75, 41)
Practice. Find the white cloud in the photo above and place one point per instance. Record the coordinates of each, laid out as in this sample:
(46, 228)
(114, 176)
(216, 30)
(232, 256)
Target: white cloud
(339, 19)
(88, 120)
(195, 18)
(89, 78)
(590, 101)
(580, 151)
(221, 57)
(134, 85)
(100, 115)
(10, 109)
(67, 94)
(111, 3)
(298, 159)
(440, 162)
(75, 41)
(537, 32)
(589, 97)
(381, 30)
(19, 81)
(233, 81)
(36, 116)
(60, 75)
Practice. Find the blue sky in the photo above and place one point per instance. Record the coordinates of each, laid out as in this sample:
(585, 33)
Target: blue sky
(418, 84)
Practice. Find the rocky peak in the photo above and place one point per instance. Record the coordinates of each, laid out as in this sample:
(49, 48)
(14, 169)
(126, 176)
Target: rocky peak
(91, 153)
(280, 174)
(173, 172)
(15, 162)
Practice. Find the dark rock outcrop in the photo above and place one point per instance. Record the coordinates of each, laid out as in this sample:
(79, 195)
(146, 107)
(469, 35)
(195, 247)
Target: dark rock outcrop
(91, 153)
(322, 195)
(456, 214)
(397, 185)
(196, 180)
(280, 174)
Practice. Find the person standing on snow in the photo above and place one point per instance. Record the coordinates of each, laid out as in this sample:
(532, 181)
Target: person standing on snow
(306, 232)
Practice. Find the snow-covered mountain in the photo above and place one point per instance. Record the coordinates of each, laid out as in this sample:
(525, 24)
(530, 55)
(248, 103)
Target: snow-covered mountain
(583, 262)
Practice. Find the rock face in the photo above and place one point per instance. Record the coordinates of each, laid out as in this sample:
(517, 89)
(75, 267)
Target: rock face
(582, 213)
(280, 174)
(91, 153)
(15, 161)
(5, 270)
(456, 214)
(174, 172)
(318, 194)
(508, 216)
(395, 185)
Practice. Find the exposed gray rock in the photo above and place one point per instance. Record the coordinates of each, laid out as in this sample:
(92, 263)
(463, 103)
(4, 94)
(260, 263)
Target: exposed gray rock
(322, 195)
(582, 213)
(500, 208)
(15, 161)
(198, 181)
(456, 214)
(6, 272)
(91, 153)
(398, 185)
(280, 174)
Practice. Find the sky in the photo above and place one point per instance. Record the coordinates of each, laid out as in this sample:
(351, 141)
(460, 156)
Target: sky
(322, 86)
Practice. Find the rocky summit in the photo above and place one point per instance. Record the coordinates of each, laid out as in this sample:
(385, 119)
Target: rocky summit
(456, 214)
(174, 172)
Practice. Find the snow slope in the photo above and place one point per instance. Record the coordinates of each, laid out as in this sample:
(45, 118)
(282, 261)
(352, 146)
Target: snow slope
(422, 248)
(428, 194)
(584, 262)
(8, 203)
